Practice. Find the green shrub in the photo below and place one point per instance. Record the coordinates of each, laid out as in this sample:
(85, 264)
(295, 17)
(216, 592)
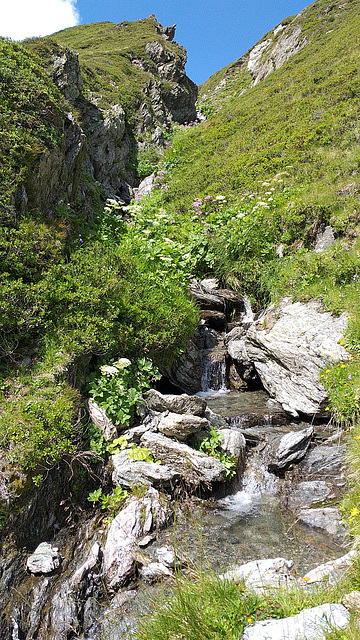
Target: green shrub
(38, 422)
(117, 387)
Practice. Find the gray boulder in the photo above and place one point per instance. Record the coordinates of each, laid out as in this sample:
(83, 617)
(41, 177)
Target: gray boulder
(193, 466)
(45, 559)
(128, 472)
(309, 624)
(181, 426)
(156, 401)
(234, 444)
(324, 462)
(292, 448)
(138, 519)
(324, 239)
(289, 346)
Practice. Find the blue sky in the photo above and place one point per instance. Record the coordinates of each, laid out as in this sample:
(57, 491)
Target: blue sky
(214, 32)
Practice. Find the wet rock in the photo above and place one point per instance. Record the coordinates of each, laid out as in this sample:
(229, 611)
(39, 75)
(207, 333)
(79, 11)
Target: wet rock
(99, 418)
(45, 559)
(188, 370)
(89, 564)
(63, 614)
(193, 466)
(209, 284)
(215, 420)
(37, 606)
(154, 571)
(181, 426)
(331, 571)
(292, 448)
(236, 382)
(324, 462)
(138, 519)
(326, 518)
(128, 472)
(289, 346)
(214, 319)
(305, 494)
(207, 301)
(309, 624)
(183, 403)
(265, 573)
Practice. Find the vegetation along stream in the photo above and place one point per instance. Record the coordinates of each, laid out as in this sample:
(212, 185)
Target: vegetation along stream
(180, 335)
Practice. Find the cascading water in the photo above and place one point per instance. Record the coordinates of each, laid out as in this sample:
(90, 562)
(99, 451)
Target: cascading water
(214, 377)
(257, 488)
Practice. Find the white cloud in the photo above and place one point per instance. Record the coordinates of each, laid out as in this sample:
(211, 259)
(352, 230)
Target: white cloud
(21, 19)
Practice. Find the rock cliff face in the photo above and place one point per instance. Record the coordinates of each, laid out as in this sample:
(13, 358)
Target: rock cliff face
(271, 53)
(114, 133)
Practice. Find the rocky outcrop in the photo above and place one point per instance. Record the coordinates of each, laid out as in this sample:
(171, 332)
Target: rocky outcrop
(109, 148)
(138, 519)
(289, 346)
(271, 54)
(67, 74)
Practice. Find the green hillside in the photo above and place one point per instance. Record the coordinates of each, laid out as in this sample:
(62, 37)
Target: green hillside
(285, 155)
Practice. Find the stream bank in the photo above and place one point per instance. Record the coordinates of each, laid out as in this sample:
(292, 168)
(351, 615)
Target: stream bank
(282, 500)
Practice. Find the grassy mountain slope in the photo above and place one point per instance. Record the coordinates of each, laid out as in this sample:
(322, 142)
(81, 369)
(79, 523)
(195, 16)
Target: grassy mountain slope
(302, 119)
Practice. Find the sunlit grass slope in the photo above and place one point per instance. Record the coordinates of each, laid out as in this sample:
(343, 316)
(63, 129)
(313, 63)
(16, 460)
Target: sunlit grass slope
(302, 120)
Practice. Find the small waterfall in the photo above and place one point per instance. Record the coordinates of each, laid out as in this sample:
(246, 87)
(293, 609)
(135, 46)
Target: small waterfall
(258, 486)
(214, 377)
